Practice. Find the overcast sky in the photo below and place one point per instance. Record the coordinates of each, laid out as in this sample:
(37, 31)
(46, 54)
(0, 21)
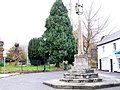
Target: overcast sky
(21, 20)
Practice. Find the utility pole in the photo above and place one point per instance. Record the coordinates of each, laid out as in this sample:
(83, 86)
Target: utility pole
(79, 11)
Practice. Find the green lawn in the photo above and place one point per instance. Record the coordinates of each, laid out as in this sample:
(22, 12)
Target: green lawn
(28, 68)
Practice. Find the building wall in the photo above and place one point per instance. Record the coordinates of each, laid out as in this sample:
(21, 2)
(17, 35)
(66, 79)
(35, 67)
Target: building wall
(105, 53)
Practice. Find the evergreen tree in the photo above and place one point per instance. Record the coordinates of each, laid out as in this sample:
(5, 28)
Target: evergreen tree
(33, 52)
(60, 44)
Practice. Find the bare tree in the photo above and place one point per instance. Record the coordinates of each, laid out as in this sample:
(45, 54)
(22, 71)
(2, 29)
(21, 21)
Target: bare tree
(93, 27)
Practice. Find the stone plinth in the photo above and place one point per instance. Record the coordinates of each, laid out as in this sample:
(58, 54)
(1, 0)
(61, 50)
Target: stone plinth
(80, 64)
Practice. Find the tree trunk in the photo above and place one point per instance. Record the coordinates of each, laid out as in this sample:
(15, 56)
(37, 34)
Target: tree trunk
(57, 65)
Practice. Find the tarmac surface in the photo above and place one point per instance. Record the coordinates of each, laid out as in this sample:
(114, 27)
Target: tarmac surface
(34, 81)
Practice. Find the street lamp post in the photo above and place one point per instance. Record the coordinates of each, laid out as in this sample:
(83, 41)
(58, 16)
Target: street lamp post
(4, 57)
(4, 65)
(44, 55)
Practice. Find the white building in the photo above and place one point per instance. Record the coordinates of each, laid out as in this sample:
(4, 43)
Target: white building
(109, 53)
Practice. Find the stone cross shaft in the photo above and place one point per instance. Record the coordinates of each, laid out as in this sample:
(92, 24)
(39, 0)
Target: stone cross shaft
(80, 38)
(79, 11)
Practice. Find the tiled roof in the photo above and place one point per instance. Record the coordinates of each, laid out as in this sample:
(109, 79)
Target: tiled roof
(110, 38)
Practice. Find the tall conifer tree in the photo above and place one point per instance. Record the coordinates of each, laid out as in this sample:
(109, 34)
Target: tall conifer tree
(60, 44)
(33, 52)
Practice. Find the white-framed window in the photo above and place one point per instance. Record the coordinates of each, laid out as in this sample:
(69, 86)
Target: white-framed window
(114, 46)
(118, 62)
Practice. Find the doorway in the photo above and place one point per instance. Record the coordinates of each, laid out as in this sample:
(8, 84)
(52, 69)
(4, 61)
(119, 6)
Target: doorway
(111, 65)
(100, 64)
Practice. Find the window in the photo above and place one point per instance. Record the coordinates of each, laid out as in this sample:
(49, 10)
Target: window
(114, 46)
(103, 48)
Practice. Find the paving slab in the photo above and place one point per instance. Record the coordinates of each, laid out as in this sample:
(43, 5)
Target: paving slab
(8, 75)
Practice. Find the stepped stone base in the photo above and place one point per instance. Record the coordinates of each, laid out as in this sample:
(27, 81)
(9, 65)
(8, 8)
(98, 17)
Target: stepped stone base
(81, 78)
(80, 72)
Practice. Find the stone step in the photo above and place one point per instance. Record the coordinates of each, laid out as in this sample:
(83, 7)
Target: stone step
(81, 80)
(78, 76)
(84, 70)
(90, 71)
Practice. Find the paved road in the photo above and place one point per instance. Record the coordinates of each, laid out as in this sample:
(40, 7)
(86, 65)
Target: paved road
(34, 81)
